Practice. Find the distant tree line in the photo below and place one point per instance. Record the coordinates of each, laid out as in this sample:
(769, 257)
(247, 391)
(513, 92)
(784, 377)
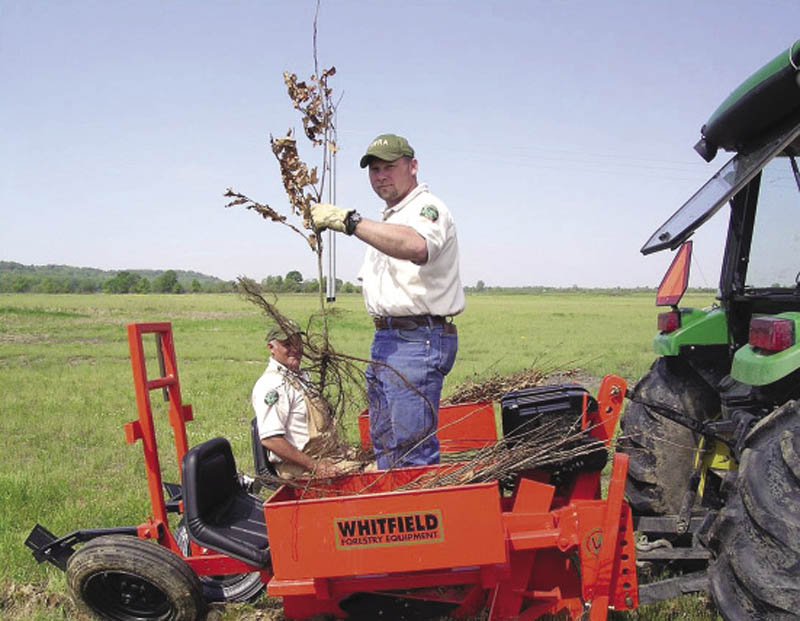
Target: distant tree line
(293, 283)
(18, 278)
(128, 282)
(482, 288)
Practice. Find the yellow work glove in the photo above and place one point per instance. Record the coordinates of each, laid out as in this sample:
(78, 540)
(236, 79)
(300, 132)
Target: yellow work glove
(327, 216)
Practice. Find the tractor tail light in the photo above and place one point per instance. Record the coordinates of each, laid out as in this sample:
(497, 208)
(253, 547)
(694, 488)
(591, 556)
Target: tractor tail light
(771, 333)
(669, 322)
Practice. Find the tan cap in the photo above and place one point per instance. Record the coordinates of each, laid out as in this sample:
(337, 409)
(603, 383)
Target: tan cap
(284, 330)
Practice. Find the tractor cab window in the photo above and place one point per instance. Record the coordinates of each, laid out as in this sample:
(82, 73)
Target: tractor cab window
(775, 249)
(731, 178)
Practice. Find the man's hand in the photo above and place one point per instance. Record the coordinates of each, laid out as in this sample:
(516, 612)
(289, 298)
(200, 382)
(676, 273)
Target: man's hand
(327, 216)
(326, 468)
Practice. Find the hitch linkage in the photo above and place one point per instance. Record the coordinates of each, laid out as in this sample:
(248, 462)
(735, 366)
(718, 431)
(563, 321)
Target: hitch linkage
(730, 431)
(57, 550)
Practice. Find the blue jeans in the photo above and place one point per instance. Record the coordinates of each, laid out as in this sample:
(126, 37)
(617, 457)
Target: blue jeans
(403, 415)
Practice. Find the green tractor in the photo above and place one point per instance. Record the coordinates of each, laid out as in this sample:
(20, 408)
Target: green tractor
(713, 429)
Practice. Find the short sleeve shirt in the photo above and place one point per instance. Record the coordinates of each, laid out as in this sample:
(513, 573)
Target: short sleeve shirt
(280, 407)
(397, 287)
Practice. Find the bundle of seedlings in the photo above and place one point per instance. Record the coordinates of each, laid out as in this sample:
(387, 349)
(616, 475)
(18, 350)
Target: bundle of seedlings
(539, 445)
(556, 446)
(491, 388)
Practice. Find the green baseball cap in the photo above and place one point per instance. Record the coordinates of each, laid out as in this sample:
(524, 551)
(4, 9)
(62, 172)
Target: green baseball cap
(284, 330)
(387, 147)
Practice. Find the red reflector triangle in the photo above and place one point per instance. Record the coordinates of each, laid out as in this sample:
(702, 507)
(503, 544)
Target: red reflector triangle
(675, 281)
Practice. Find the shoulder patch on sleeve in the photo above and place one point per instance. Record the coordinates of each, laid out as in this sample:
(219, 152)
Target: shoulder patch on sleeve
(430, 212)
(271, 398)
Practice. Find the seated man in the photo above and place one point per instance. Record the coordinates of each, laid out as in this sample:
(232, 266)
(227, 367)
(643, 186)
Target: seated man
(288, 419)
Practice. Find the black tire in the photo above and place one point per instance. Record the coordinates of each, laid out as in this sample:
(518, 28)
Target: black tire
(755, 539)
(127, 579)
(231, 588)
(662, 452)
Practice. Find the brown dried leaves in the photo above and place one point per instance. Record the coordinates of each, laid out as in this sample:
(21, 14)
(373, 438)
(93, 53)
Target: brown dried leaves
(268, 213)
(314, 101)
(303, 185)
(296, 177)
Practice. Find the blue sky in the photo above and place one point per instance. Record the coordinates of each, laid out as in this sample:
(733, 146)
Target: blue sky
(559, 133)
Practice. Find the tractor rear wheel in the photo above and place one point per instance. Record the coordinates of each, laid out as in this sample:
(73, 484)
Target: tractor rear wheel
(662, 452)
(123, 578)
(756, 536)
(230, 588)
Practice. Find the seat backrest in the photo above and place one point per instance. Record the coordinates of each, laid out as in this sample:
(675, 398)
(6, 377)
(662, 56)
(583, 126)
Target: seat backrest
(219, 513)
(261, 461)
(209, 478)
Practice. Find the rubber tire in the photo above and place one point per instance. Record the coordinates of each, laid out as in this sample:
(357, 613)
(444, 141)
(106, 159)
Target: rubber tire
(662, 452)
(755, 539)
(103, 574)
(231, 588)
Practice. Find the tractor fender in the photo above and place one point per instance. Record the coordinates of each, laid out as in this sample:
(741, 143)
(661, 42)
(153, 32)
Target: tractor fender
(698, 327)
(758, 368)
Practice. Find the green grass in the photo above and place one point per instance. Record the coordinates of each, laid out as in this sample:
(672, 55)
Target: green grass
(66, 389)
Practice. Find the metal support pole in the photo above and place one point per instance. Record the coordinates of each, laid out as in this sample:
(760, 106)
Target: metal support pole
(331, 284)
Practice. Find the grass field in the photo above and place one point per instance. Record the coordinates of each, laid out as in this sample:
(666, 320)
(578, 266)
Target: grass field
(66, 392)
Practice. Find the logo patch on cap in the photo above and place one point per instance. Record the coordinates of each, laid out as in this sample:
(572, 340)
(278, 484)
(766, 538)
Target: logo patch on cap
(430, 212)
(271, 398)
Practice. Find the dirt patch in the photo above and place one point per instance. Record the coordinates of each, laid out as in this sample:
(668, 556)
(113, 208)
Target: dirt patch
(73, 362)
(23, 601)
(213, 314)
(25, 339)
(265, 609)
(30, 339)
(19, 602)
(20, 361)
(575, 376)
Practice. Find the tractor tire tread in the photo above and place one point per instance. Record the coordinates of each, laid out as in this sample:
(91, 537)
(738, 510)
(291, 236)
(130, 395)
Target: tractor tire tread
(662, 452)
(756, 537)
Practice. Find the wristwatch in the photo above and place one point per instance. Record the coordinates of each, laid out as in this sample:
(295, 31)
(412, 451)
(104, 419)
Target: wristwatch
(351, 222)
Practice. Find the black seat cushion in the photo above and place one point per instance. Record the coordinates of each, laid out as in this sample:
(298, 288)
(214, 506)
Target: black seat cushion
(219, 513)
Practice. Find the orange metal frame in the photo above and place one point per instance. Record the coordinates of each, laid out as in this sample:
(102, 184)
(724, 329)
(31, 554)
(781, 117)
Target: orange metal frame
(143, 428)
(203, 562)
(462, 427)
(534, 551)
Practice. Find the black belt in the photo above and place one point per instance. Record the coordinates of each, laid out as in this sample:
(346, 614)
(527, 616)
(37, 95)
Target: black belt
(410, 322)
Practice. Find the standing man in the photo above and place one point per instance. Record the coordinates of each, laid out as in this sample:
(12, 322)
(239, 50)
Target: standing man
(287, 418)
(411, 289)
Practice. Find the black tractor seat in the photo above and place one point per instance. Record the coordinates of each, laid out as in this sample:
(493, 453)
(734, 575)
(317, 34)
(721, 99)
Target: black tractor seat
(219, 513)
(261, 460)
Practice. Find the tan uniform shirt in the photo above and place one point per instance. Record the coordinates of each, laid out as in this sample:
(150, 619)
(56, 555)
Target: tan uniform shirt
(398, 287)
(280, 407)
